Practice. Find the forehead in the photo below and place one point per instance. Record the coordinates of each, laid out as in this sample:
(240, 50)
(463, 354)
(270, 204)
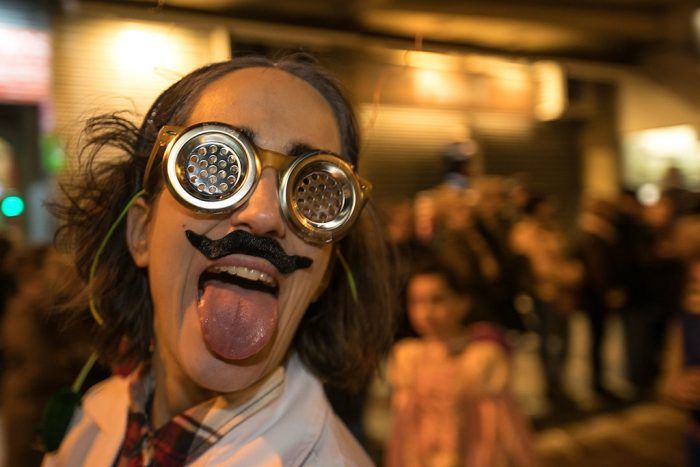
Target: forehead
(428, 283)
(279, 107)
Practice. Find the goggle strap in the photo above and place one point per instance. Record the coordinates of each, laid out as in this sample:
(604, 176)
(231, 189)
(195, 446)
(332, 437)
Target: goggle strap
(165, 137)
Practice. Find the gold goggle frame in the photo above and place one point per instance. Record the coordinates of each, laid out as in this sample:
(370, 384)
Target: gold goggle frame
(214, 168)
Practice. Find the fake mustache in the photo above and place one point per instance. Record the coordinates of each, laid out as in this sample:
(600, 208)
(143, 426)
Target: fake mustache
(242, 242)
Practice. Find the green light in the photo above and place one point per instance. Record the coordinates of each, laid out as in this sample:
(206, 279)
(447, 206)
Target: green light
(12, 206)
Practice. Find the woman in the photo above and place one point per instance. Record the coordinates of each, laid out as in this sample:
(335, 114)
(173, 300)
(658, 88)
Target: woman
(231, 316)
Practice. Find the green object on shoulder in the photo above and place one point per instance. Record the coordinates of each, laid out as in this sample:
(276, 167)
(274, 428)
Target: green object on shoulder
(60, 408)
(57, 417)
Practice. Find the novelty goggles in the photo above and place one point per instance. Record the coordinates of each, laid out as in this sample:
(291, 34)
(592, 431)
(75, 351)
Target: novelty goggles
(214, 168)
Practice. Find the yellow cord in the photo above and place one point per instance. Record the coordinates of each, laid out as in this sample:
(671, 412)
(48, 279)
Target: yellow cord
(78, 383)
(93, 308)
(348, 274)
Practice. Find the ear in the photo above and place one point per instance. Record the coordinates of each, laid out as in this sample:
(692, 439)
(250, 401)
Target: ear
(137, 232)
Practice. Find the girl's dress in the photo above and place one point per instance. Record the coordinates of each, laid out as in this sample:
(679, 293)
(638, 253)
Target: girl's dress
(451, 405)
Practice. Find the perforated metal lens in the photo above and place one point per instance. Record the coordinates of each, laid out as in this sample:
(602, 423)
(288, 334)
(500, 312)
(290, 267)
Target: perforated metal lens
(321, 197)
(212, 169)
(318, 196)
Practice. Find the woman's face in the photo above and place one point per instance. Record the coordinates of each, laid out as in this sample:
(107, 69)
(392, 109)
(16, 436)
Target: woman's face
(282, 112)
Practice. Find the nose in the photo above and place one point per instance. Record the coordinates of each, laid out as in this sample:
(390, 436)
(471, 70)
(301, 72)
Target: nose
(261, 214)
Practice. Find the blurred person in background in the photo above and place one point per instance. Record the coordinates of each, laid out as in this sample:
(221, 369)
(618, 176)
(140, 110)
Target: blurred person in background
(41, 356)
(494, 226)
(553, 276)
(6, 279)
(685, 236)
(459, 243)
(518, 192)
(457, 162)
(432, 205)
(635, 244)
(446, 223)
(399, 222)
(680, 384)
(451, 403)
(673, 186)
(400, 228)
(657, 296)
(232, 319)
(600, 290)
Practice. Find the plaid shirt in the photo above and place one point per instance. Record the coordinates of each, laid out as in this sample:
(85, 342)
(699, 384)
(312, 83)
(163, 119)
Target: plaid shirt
(189, 434)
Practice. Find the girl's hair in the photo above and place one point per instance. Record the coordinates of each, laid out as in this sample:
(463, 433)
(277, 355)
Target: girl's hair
(340, 339)
(429, 262)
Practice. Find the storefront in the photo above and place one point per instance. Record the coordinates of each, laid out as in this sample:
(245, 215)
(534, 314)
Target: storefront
(27, 156)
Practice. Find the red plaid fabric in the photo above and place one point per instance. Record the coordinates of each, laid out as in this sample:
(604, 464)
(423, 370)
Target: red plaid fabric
(188, 435)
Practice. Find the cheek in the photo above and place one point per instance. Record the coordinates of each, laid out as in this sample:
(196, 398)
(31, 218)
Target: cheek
(300, 288)
(172, 286)
(445, 316)
(417, 316)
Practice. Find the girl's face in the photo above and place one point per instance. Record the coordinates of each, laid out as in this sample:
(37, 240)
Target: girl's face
(435, 310)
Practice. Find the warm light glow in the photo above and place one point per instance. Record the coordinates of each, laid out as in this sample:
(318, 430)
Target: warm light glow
(431, 61)
(670, 140)
(513, 74)
(110, 64)
(428, 79)
(432, 85)
(550, 90)
(139, 49)
(648, 194)
(433, 75)
(649, 154)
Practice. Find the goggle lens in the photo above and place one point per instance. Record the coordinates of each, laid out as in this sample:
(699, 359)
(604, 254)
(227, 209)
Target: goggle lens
(318, 197)
(213, 170)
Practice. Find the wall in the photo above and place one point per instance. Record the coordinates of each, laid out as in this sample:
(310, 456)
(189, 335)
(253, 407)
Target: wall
(122, 61)
(643, 103)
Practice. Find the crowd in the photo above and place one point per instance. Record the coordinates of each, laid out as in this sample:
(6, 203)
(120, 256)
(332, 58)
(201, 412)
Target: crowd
(530, 272)
(526, 271)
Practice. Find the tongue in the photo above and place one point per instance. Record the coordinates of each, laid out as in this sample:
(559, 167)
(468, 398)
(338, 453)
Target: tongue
(236, 323)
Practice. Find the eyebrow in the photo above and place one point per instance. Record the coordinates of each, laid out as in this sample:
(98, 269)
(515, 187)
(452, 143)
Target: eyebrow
(295, 148)
(245, 131)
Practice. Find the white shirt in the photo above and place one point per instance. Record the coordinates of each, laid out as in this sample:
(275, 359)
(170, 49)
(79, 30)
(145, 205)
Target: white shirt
(297, 428)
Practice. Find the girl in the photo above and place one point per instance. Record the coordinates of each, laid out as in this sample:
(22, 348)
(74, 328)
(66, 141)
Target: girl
(451, 403)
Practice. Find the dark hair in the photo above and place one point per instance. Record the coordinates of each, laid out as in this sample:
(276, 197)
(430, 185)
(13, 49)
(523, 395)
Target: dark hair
(534, 203)
(428, 261)
(457, 157)
(339, 339)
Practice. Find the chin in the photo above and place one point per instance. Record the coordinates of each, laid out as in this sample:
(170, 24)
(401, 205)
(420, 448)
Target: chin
(213, 373)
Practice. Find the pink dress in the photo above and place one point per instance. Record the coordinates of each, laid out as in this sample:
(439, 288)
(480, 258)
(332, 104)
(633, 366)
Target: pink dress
(451, 405)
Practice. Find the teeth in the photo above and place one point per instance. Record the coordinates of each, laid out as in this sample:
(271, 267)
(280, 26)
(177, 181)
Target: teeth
(246, 273)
